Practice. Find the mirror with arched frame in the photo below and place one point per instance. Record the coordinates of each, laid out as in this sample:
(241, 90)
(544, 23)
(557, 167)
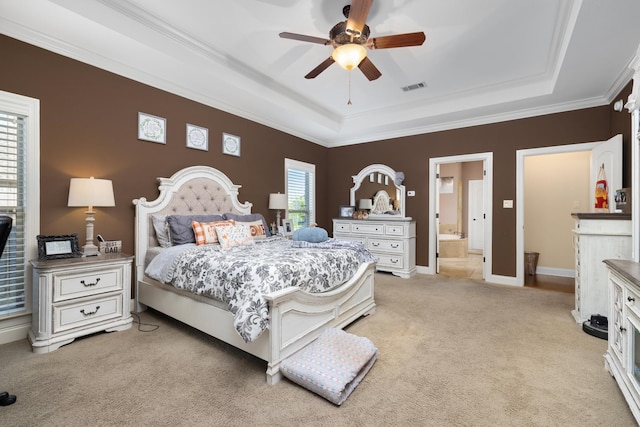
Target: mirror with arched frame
(383, 186)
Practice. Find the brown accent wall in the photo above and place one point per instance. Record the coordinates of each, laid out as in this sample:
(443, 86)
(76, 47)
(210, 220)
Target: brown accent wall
(411, 155)
(88, 128)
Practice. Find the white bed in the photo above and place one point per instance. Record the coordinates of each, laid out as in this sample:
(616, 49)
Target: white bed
(295, 317)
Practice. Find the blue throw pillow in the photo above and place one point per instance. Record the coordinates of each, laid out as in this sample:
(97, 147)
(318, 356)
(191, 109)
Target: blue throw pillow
(311, 234)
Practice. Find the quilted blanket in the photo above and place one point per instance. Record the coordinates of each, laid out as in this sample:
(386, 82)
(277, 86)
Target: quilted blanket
(241, 276)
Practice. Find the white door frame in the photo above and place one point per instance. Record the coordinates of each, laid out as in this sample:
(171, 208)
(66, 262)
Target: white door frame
(520, 155)
(487, 159)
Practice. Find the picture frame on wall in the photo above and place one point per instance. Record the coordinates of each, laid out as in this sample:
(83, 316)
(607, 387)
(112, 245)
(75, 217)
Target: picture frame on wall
(347, 211)
(287, 225)
(231, 144)
(152, 128)
(197, 137)
(58, 247)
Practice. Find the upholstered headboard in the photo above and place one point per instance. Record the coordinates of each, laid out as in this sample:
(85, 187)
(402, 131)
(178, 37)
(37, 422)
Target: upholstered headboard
(194, 190)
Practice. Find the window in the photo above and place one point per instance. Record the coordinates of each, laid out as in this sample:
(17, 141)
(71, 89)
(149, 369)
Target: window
(300, 182)
(19, 140)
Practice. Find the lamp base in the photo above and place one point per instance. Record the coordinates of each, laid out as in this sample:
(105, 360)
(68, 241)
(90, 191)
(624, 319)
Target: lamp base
(90, 250)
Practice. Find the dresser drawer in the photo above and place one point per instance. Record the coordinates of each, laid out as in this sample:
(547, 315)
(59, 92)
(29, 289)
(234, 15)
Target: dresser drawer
(351, 238)
(340, 227)
(394, 230)
(365, 228)
(88, 282)
(86, 312)
(385, 260)
(385, 245)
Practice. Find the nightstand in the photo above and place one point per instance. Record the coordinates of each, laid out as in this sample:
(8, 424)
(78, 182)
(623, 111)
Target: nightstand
(79, 296)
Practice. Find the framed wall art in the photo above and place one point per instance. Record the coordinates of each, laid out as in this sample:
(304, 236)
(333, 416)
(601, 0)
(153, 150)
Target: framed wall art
(152, 128)
(58, 247)
(197, 137)
(231, 144)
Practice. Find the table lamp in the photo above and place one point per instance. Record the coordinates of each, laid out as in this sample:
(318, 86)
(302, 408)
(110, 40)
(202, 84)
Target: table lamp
(278, 201)
(365, 204)
(92, 193)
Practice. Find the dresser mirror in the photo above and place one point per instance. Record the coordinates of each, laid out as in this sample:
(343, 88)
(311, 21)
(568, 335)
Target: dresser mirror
(383, 186)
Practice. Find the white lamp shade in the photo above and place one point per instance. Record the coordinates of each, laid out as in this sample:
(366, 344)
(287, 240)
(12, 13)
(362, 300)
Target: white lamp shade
(278, 201)
(365, 204)
(91, 192)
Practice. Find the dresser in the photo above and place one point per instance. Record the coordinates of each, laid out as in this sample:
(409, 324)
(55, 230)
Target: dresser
(597, 236)
(393, 242)
(79, 296)
(622, 358)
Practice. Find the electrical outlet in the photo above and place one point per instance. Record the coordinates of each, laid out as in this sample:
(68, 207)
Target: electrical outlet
(411, 193)
(507, 204)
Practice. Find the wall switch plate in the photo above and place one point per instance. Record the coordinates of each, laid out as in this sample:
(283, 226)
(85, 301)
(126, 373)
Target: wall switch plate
(507, 204)
(411, 193)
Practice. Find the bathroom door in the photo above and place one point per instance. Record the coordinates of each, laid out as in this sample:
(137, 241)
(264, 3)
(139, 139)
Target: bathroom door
(609, 154)
(476, 215)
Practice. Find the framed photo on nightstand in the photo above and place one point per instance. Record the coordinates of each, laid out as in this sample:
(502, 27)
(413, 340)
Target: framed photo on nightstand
(58, 247)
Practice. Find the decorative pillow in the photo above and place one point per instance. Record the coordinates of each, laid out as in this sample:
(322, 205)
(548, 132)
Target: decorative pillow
(238, 234)
(249, 218)
(258, 231)
(311, 234)
(162, 230)
(205, 232)
(180, 230)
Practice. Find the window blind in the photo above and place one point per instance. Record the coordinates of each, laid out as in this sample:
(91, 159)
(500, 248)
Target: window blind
(12, 203)
(300, 193)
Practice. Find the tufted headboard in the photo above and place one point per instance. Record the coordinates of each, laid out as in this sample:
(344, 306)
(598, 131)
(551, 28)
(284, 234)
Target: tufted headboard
(193, 190)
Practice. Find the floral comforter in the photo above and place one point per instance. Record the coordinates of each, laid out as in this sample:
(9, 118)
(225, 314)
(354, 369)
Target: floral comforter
(243, 275)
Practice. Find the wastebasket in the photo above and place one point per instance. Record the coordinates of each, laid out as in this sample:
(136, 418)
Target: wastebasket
(531, 262)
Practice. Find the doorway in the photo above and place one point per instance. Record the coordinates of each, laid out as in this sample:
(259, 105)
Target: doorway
(455, 222)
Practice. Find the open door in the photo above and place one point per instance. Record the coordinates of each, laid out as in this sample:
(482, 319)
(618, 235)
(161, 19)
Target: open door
(609, 154)
(437, 208)
(476, 215)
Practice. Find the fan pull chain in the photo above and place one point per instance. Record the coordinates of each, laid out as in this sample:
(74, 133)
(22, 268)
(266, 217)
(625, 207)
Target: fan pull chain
(349, 101)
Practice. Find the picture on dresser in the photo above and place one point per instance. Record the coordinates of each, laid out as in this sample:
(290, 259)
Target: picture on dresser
(347, 211)
(58, 247)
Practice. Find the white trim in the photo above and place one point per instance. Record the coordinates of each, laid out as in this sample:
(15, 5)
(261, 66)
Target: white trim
(487, 159)
(558, 272)
(15, 327)
(520, 155)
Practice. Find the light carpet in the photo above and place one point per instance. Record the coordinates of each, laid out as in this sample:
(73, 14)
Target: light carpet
(452, 352)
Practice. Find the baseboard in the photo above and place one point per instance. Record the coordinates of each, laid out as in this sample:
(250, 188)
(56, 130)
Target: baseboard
(560, 272)
(15, 328)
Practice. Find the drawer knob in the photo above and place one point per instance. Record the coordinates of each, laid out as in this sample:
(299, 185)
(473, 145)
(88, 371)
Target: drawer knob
(90, 313)
(86, 285)
(631, 299)
(376, 244)
(395, 261)
(395, 245)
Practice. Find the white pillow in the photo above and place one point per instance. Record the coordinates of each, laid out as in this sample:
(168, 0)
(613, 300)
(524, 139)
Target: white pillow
(162, 230)
(238, 234)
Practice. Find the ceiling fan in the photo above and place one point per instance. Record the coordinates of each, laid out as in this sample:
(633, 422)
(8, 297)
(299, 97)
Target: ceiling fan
(350, 39)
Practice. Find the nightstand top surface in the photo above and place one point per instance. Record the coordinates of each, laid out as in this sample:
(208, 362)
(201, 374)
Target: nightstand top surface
(80, 260)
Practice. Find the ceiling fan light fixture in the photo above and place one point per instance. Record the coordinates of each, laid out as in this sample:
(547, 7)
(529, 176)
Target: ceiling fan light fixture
(349, 55)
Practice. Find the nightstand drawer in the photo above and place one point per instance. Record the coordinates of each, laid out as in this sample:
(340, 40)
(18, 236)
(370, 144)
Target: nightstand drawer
(385, 245)
(80, 284)
(84, 313)
(390, 260)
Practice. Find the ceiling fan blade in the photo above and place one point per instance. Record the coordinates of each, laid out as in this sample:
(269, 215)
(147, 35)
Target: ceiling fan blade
(320, 68)
(304, 38)
(368, 69)
(358, 15)
(398, 40)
